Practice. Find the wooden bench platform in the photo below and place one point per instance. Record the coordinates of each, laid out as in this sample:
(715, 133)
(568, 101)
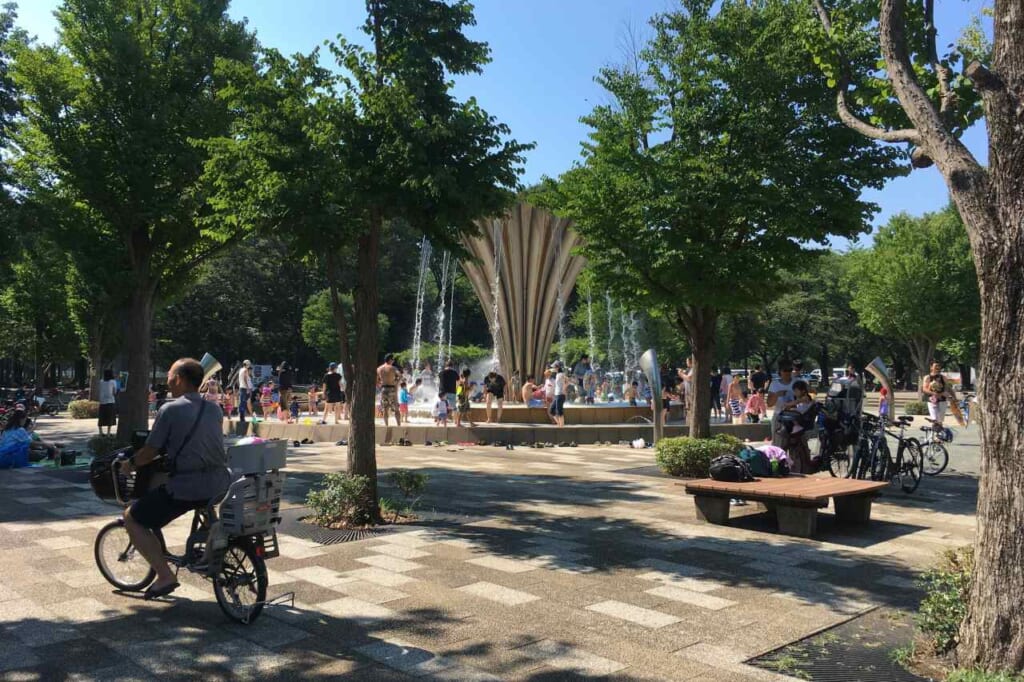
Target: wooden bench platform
(794, 500)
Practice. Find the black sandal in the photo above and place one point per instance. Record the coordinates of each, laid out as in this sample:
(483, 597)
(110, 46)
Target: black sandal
(157, 592)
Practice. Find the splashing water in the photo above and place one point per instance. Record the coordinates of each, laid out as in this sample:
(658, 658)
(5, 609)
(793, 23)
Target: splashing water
(421, 286)
(495, 289)
(624, 321)
(592, 347)
(446, 262)
(611, 328)
(451, 308)
(634, 342)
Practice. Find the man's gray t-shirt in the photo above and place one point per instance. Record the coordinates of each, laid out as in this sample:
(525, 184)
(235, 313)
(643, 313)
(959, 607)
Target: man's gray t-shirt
(199, 471)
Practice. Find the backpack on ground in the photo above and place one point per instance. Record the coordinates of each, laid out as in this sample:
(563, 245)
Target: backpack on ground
(730, 468)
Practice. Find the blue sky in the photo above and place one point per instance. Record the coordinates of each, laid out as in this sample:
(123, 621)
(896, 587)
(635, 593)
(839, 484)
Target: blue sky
(545, 54)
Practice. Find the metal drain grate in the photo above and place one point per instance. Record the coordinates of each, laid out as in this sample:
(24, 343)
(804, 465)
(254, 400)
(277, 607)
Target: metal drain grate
(859, 650)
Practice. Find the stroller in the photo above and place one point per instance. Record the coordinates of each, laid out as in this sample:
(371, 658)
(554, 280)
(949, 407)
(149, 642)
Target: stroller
(839, 426)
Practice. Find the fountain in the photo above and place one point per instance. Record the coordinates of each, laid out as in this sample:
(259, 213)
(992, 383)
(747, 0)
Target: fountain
(421, 287)
(611, 328)
(523, 270)
(592, 344)
(451, 311)
(446, 261)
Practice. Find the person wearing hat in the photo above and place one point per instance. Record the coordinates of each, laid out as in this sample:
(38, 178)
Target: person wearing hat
(332, 393)
(245, 387)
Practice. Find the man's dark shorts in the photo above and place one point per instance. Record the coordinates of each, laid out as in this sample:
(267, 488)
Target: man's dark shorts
(157, 508)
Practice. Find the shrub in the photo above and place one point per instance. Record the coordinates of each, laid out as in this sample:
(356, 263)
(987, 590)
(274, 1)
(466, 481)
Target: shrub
(103, 444)
(945, 603)
(341, 499)
(691, 457)
(915, 407)
(84, 409)
(411, 483)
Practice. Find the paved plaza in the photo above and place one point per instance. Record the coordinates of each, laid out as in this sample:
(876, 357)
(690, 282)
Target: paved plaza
(549, 564)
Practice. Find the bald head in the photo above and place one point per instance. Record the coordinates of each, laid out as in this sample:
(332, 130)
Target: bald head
(189, 372)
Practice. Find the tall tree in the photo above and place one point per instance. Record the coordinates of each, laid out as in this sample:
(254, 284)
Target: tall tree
(927, 99)
(719, 162)
(917, 284)
(339, 160)
(119, 101)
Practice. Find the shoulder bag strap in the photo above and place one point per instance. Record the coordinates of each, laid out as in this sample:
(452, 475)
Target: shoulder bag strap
(188, 436)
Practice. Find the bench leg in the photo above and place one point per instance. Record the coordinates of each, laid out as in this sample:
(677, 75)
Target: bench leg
(712, 509)
(853, 508)
(799, 521)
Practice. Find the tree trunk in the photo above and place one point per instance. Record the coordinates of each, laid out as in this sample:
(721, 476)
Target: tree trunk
(826, 370)
(362, 456)
(133, 405)
(993, 633)
(699, 324)
(96, 363)
(922, 352)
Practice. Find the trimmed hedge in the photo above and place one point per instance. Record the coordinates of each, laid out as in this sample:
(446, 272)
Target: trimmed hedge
(915, 407)
(691, 457)
(84, 409)
(102, 444)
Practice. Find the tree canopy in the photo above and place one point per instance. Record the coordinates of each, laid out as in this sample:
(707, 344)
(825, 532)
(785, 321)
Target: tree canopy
(719, 163)
(917, 283)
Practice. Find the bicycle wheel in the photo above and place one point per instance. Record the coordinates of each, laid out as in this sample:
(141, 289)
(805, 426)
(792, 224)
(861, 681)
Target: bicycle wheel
(119, 562)
(910, 466)
(241, 584)
(936, 458)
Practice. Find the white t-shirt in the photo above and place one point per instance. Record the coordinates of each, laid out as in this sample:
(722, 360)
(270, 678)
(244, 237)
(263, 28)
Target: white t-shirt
(777, 386)
(726, 380)
(560, 380)
(108, 389)
(244, 379)
(549, 387)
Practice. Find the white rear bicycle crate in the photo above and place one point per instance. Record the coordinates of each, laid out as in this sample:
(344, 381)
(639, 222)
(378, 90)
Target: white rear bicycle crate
(253, 503)
(257, 458)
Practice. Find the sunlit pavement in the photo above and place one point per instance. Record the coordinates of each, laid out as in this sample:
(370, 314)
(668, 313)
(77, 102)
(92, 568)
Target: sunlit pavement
(566, 563)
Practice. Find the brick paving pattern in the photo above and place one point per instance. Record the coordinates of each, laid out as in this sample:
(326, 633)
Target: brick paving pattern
(576, 571)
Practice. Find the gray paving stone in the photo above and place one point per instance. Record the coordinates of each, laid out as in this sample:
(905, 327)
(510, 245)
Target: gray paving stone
(705, 601)
(498, 593)
(569, 658)
(648, 618)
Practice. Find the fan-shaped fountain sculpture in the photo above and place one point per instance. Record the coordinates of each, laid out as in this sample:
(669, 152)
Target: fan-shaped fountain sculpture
(523, 273)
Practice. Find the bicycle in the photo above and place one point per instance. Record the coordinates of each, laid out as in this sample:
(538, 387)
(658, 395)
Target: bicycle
(936, 456)
(235, 562)
(835, 449)
(874, 460)
(903, 471)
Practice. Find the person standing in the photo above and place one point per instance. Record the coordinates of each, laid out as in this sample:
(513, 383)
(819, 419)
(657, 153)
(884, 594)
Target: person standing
(285, 384)
(332, 393)
(716, 393)
(734, 400)
(245, 387)
(758, 380)
(462, 398)
(779, 394)
(561, 384)
(387, 379)
(448, 380)
(723, 392)
(936, 389)
(108, 401)
(494, 387)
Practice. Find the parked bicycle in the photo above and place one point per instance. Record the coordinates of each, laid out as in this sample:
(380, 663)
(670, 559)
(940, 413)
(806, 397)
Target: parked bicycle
(936, 456)
(874, 460)
(225, 545)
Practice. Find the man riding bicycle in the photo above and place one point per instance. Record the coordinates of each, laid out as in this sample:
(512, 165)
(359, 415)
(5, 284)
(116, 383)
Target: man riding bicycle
(189, 433)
